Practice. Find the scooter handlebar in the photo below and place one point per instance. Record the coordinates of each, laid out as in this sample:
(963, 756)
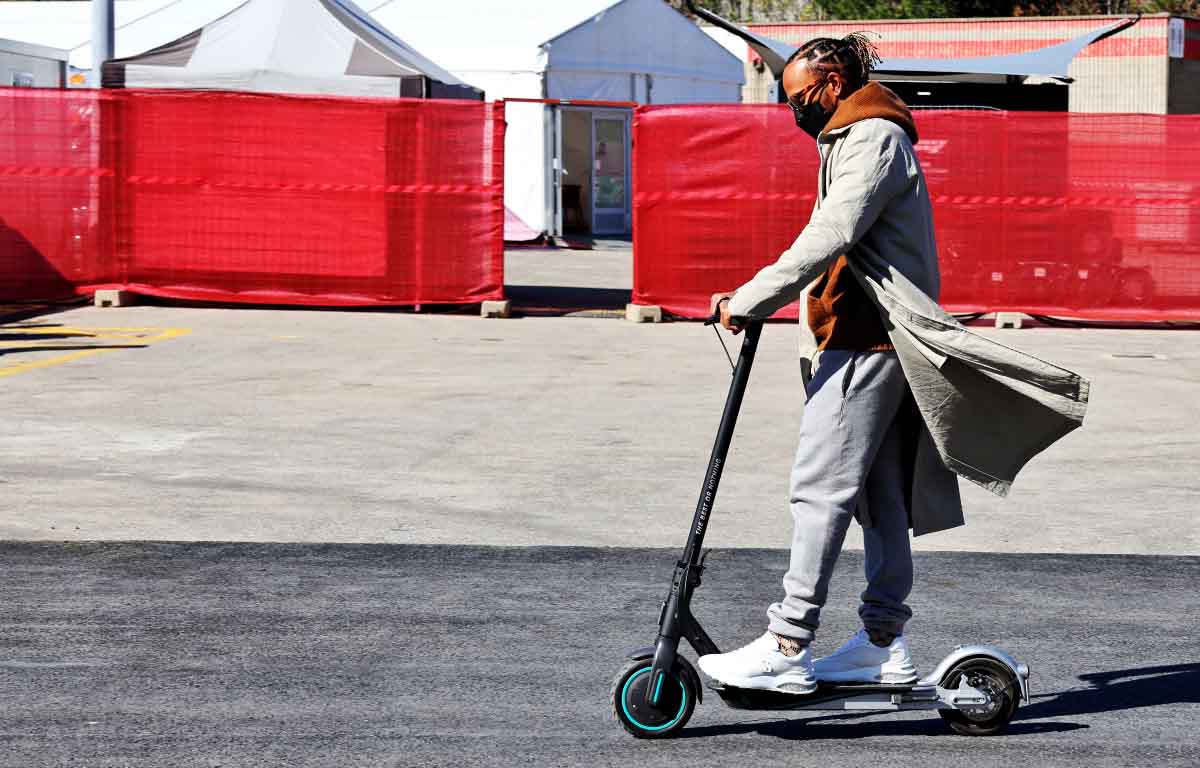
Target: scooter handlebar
(715, 319)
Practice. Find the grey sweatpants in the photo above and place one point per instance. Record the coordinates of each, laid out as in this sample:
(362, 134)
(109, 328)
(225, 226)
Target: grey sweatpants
(850, 446)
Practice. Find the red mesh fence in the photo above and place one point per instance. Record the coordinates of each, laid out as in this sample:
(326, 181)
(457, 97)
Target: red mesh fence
(251, 198)
(50, 180)
(1090, 216)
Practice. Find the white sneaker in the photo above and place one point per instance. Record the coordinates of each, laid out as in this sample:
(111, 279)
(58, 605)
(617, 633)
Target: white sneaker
(761, 665)
(861, 661)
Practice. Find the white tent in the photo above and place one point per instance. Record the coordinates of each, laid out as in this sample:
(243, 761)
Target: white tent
(290, 46)
(266, 45)
(612, 50)
(140, 24)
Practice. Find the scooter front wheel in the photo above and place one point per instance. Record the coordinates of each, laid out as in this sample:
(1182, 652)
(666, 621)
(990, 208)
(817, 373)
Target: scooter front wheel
(676, 699)
(1000, 685)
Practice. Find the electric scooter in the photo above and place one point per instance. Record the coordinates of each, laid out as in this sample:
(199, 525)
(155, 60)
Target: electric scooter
(976, 689)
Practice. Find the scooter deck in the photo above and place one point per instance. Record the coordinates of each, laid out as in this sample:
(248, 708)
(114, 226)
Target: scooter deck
(833, 696)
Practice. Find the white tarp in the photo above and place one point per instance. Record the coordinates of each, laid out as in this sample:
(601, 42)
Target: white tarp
(611, 50)
(1051, 61)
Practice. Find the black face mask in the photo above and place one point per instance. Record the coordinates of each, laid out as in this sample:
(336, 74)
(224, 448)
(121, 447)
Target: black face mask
(812, 117)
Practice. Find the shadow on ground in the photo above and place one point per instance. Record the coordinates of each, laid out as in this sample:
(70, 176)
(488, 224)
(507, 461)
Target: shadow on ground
(565, 300)
(1105, 692)
(15, 312)
(6, 351)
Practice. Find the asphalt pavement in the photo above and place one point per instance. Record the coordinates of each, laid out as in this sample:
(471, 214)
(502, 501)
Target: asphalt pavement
(135, 654)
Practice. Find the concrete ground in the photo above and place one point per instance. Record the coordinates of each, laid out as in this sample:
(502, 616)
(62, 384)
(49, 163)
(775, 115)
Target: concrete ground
(201, 424)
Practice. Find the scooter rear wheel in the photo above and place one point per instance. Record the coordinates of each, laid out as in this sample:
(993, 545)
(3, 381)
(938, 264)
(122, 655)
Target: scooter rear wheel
(995, 679)
(676, 700)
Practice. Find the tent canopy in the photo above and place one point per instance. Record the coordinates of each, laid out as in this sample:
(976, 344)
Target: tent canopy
(1052, 61)
(290, 46)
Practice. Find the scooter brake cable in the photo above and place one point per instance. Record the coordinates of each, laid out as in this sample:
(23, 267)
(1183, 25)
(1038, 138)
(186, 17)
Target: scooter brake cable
(728, 356)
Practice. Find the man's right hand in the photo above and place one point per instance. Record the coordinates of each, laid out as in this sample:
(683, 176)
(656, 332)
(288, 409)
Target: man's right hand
(720, 303)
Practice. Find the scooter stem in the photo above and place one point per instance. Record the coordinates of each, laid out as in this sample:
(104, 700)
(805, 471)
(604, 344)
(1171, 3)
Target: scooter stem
(716, 461)
(676, 620)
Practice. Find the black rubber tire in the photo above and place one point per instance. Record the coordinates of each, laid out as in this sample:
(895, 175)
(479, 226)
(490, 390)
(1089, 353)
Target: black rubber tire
(1002, 680)
(678, 700)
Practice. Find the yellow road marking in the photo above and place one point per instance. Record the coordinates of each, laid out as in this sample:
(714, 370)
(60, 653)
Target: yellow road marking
(129, 334)
(12, 370)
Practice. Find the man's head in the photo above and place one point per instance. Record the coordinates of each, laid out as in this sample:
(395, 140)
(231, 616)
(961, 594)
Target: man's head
(822, 73)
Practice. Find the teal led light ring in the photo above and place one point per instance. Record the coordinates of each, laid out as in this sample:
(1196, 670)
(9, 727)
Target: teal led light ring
(625, 707)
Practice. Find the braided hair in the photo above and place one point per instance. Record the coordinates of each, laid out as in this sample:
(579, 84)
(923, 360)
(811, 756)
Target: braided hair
(853, 57)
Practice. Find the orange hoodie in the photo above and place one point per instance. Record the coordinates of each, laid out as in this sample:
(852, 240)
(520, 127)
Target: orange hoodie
(840, 314)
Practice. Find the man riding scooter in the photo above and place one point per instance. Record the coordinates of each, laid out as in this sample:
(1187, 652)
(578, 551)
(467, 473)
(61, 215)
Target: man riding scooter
(899, 397)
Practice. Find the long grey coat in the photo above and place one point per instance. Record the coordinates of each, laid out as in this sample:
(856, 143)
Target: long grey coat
(985, 409)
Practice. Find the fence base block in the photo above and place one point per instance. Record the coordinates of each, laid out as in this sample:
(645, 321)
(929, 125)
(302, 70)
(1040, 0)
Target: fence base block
(1009, 319)
(494, 309)
(114, 298)
(643, 313)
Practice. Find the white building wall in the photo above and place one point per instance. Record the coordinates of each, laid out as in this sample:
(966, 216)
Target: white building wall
(1119, 84)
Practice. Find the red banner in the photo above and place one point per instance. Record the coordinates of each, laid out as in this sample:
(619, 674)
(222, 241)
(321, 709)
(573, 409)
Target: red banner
(251, 198)
(1090, 216)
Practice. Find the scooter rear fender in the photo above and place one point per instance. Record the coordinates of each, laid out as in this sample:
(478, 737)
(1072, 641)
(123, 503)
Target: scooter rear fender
(964, 652)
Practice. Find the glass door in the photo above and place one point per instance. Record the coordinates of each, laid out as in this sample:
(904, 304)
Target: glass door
(610, 177)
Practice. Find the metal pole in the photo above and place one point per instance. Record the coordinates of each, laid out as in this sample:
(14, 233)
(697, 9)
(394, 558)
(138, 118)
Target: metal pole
(103, 36)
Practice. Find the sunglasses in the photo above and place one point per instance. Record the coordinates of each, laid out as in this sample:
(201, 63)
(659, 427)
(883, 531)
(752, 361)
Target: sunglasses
(797, 108)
